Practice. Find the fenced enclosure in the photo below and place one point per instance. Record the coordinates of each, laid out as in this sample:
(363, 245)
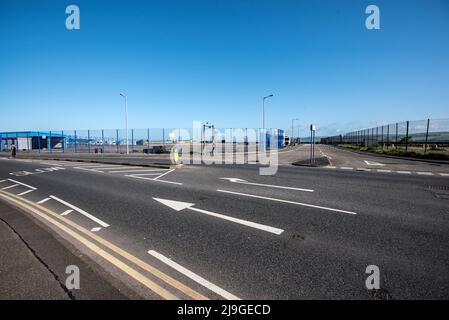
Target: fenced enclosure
(421, 136)
(135, 141)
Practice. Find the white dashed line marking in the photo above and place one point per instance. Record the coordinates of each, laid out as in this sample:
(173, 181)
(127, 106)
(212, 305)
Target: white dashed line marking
(43, 200)
(404, 172)
(425, 173)
(66, 212)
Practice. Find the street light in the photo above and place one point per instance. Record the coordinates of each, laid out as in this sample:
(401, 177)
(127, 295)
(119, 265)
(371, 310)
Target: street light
(126, 122)
(263, 109)
(293, 120)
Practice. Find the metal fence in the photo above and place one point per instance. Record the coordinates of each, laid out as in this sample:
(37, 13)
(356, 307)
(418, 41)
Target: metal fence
(421, 135)
(136, 140)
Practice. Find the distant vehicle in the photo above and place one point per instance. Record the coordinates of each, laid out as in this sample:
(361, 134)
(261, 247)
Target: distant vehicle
(287, 140)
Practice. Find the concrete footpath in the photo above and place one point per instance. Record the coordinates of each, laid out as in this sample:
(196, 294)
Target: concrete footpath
(33, 261)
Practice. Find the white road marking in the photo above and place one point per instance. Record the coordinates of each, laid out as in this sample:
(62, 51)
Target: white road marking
(444, 174)
(347, 168)
(84, 213)
(425, 173)
(3, 181)
(212, 287)
(363, 169)
(152, 179)
(110, 167)
(96, 229)
(131, 171)
(287, 201)
(178, 206)
(66, 212)
(236, 180)
(164, 174)
(373, 163)
(22, 184)
(331, 167)
(88, 169)
(384, 171)
(25, 192)
(11, 186)
(404, 172)
(44, 200)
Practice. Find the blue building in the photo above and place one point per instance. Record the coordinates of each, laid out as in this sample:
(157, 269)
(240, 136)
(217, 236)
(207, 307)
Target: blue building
(31, 140)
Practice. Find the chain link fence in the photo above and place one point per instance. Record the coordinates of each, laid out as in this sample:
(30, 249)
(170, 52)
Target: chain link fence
(421, 136)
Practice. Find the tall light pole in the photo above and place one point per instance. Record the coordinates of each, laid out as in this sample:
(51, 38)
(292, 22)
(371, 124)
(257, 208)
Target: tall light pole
(263, 109)
(126, 122)
(293, 120)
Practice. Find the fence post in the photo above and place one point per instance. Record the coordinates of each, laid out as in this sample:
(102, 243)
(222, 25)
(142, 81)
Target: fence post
(396, 145)
(382, 139)
(388, 135)
(427, 136)
(132, 140)
(406, 137)
(28, 142)
(102, 140)
(39, 141)
(148, 138)
(116, 140)
(63, 141)
(76, 142)
(163, 137)
(49, 142)
(88, 140)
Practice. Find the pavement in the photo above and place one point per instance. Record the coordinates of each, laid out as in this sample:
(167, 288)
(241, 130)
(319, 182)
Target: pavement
(225, 232)
(33, 264)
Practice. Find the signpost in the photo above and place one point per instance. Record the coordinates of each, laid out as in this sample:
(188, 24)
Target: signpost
(312, 144)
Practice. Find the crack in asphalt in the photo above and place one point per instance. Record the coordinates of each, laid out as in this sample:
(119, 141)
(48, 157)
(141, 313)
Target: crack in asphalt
(34, 253)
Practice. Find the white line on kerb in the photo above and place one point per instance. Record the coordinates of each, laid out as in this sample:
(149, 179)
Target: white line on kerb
(383, 171)
(225, 294)
(44, 200)
(404, 172)
(346, 168)
(84, 213)
(287, 201)
(444, 174)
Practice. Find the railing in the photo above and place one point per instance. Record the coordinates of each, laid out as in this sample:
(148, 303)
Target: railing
(422, 135)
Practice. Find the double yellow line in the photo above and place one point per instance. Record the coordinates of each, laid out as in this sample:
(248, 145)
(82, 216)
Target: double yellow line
(59, 222)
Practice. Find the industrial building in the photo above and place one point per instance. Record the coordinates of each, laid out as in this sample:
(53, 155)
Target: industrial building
(31, 140)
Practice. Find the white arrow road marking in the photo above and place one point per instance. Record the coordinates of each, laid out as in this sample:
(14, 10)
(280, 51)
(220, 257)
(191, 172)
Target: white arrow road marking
(178, 206)
(193, 276)
(287, 201)
(373, 163)
(236, 180)
(84, 213)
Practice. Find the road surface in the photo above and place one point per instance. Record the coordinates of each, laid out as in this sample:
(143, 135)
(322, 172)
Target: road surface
(225, 232)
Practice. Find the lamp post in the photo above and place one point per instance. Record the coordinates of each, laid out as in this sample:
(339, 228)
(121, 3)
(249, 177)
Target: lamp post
(126, 122)
(291, 138)
(263, 109)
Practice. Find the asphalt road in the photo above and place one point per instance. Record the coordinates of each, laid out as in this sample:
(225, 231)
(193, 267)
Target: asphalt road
(305, 233)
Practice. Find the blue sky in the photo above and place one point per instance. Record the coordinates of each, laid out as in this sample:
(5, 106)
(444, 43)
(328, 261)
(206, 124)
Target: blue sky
(214, 60)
